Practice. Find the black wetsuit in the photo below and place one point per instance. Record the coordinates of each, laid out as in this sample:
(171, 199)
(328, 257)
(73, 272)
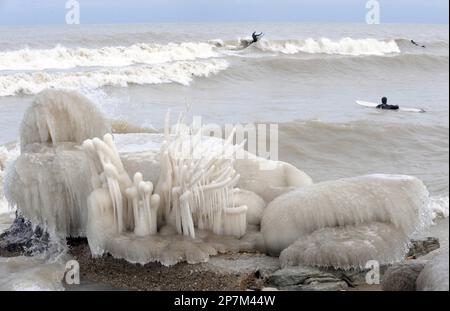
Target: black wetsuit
(416, 44)
(255, 37)
(388, 107)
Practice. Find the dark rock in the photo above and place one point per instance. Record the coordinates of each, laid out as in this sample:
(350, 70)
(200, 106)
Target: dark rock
(304, 278)
(355, 277)
(402, 276)
(22, 239)
(422, 247)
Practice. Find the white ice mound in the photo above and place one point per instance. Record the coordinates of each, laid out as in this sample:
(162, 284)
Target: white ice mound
(47, 182)
(50, 188)
(269, 179)
(435, 276)
(255, 204)
(61, 116)
(348, 222)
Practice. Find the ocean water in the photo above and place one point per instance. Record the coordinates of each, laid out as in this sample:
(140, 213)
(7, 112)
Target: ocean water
(303, 77)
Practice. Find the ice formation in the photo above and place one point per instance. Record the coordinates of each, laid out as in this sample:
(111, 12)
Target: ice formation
(348, 222)
(49, 188)
(131, 202)
(435, 277)
(196, 182)
(267, 178)
(191, 197)
(60, 117)
(195, 189)
(117, 204)
(47, 183)
(255, 204)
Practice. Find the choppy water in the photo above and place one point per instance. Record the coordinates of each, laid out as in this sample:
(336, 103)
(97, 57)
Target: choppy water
(304, 77)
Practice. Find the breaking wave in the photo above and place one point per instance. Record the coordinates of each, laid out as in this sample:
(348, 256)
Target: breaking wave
(345, 46)
(182, 72)
(62, 57)
(29, 71)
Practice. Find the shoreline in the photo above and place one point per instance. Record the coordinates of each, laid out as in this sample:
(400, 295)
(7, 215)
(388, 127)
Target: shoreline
(224, 272)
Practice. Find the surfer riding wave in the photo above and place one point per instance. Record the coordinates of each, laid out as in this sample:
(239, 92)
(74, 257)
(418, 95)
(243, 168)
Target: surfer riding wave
(255, 37)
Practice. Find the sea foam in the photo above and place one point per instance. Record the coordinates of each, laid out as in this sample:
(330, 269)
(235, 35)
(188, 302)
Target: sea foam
(345, 46)
(182, 72)
(61, 57)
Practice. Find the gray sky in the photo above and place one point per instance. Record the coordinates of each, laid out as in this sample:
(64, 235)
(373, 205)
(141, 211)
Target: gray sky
(45, 12)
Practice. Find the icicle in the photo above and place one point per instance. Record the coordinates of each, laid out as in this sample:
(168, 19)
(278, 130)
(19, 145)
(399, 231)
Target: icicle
(235, 222)
(116, 195)
(131, 200)
(186, 217)
(201, 176)
(154, 202)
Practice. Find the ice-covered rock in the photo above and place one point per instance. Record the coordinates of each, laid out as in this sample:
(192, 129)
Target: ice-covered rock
(255, 204)
(69, 191)
(49, 188)
(348, 222)
(402, 276)
(435, 276)
(61, 116)
(47, 182)
(269, 179)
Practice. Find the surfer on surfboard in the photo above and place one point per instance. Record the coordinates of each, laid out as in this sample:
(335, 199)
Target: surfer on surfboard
(417, 44)
(384, 105)
(255, 37)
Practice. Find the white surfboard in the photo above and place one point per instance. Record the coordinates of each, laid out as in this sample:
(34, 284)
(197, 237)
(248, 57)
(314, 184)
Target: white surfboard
(374, 105)
(245, 43)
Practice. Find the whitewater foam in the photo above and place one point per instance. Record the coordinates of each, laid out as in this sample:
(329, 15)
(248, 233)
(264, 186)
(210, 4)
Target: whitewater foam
(30, 274)
(345, 46)
(61, 57)
(439, 206)
(182, 72)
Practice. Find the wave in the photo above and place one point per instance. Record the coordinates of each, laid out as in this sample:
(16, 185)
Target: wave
(29, 71)
(62, 57)
(182, 72)
(336, 67)
(345, 46)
